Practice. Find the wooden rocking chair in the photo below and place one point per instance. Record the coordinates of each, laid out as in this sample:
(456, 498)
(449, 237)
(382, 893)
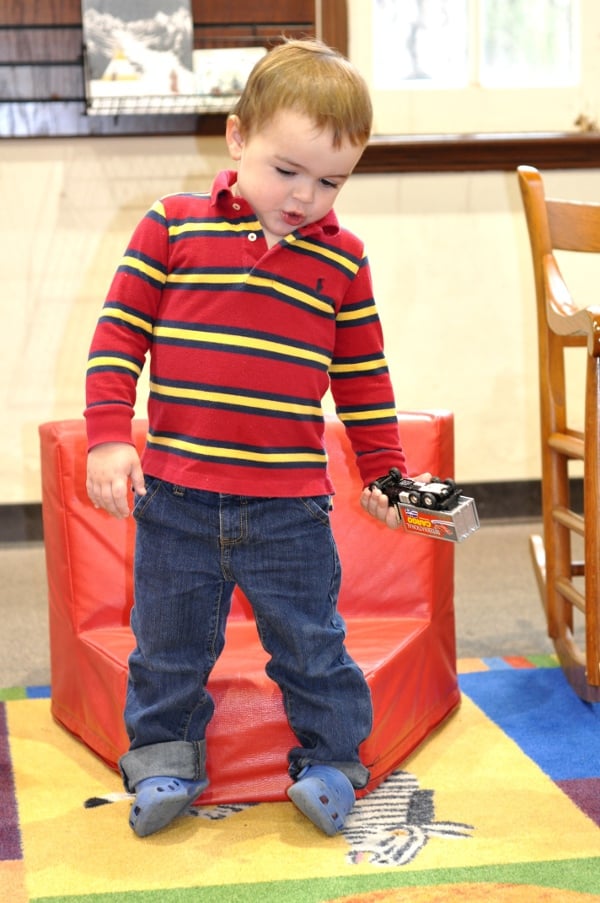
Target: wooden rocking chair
(566, 586)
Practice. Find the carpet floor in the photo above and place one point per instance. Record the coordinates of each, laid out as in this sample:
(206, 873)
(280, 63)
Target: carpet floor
(501, 804)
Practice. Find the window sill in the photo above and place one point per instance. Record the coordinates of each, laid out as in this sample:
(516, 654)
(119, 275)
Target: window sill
(478, 152)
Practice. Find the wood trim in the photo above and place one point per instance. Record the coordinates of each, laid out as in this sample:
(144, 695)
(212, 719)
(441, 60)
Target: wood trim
(468, 153)
(334, 24)
(211, 12)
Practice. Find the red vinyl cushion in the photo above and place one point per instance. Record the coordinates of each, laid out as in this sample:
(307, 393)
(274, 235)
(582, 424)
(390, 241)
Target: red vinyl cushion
(397, 599)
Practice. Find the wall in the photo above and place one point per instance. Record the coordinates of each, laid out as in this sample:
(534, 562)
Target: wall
(450, 260)
(450, 256)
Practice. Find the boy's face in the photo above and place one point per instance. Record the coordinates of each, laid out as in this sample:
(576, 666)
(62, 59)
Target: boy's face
(288, 171)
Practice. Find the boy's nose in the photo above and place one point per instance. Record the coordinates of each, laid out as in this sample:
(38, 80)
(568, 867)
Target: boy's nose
(303, 192)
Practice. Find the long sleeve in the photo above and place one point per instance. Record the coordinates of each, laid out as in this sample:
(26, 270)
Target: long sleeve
(124, 332)
(361, 384)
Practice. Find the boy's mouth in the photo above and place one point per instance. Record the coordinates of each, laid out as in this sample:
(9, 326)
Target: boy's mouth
(292, 218)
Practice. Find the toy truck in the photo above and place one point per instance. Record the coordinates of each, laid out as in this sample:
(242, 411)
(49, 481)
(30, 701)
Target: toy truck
(438, 494)
(436, 509)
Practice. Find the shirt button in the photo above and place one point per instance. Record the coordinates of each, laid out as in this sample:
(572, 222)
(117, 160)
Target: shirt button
(237, 206)
(252, 236)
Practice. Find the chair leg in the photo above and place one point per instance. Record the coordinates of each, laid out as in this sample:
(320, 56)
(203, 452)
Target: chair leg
(538, 558)
(591, 514)
(572, 662)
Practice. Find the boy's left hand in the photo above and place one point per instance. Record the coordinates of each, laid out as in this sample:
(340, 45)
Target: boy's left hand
(376, 503)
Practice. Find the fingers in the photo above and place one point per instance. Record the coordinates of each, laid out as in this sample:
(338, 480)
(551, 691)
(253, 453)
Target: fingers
(376, 503)
(137, 480)
(110, 468)
(111, 495)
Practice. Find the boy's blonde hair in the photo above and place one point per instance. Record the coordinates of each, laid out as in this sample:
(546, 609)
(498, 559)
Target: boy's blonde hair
(313, 79)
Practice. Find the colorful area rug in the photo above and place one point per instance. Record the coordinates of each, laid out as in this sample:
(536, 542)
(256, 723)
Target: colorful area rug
(501, 804)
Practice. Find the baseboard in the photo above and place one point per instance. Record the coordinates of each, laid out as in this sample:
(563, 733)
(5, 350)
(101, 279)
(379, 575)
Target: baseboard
(21, 523)
(505, 500)
(516, 499)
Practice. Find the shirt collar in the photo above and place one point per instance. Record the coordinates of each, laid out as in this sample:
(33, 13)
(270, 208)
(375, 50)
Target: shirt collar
(222, 186)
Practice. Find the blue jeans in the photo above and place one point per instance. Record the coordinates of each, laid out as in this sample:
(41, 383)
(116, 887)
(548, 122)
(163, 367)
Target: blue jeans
(192, 548)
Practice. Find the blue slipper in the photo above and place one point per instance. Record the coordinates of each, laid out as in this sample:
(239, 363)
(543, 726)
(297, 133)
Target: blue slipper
(324, 795)
(160, 800)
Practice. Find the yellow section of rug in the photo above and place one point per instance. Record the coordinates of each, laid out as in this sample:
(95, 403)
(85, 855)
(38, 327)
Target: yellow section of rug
(491, 805)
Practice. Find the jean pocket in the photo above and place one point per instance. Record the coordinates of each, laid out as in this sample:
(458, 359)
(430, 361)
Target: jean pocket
(141, 502)
(318, 506)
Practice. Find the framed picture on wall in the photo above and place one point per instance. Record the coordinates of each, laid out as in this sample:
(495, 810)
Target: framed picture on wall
(221, 73)
(139, 56)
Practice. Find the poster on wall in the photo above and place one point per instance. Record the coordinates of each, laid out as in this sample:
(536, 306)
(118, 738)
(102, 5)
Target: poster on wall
(140, 59)
(221, 73)
(139, 56)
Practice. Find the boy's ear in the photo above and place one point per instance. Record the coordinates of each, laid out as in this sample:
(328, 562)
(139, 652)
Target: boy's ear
(234, 137)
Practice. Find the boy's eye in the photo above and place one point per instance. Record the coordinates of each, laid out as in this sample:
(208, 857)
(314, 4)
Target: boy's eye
(289, 173)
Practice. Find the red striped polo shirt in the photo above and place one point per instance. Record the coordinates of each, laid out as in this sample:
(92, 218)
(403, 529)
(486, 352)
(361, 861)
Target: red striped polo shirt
(243, 342)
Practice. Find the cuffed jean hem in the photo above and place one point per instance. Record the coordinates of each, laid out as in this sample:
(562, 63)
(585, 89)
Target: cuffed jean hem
(356, 773)
(172, 759)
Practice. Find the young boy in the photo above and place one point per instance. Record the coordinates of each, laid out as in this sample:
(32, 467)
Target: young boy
(251, 301)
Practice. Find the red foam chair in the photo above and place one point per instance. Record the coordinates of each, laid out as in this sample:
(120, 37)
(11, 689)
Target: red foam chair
(396, 598)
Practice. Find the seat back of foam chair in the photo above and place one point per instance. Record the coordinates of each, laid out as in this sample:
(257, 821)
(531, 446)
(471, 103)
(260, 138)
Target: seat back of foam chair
(90, 554)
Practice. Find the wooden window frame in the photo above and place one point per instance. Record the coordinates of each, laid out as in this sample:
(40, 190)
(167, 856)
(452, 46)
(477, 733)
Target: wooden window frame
(480, 152)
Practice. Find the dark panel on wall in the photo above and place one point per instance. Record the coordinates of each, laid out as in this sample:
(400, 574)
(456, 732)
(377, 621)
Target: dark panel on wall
(39, 45)
(40, 12)
(42, 83)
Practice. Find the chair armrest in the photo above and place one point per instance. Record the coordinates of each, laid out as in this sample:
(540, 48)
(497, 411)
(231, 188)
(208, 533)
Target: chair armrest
(564, 318)
(88, 552)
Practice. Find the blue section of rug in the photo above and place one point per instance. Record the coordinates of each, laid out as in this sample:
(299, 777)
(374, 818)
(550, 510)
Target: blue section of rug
(40, 692)
(539, 710)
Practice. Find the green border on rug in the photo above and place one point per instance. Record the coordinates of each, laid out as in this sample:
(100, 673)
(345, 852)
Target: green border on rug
(7, 694)
(568, 874)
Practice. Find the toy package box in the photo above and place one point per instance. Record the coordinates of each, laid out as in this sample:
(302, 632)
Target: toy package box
(454, 525)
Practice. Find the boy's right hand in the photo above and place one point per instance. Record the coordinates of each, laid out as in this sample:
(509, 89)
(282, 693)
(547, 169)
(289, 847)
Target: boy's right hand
(110, 468)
